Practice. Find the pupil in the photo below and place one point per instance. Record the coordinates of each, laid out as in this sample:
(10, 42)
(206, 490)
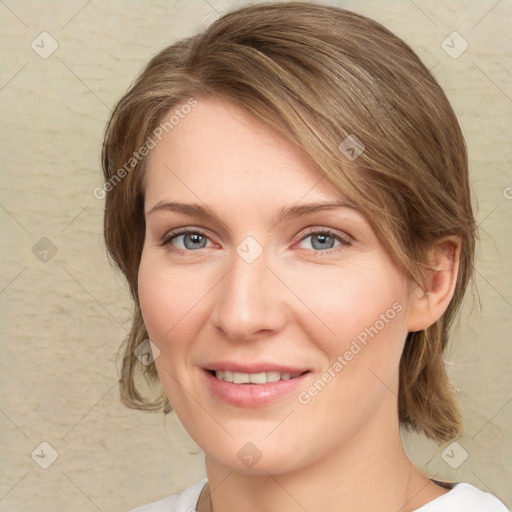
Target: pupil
(195, 238)
(322, 239)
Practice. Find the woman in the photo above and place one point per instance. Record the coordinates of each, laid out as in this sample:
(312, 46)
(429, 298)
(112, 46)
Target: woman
(287, 195)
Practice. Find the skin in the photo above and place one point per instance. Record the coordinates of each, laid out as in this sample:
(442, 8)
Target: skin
(299, 303)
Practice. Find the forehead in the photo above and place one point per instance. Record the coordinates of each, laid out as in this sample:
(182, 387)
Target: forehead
(219, 151)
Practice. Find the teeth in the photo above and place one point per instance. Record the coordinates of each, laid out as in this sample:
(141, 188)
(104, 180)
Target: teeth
(273, 376)
(254, 378)
(241, 378)
(257, 378)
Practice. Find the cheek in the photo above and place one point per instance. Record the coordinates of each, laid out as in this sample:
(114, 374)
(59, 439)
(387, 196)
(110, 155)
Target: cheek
(167, 304)
(154, 302)
(354, 302)
(165, 299)
(162, 308)
(365, 311)
(174, 304)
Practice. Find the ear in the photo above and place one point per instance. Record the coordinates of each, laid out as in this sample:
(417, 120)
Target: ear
(428, 305)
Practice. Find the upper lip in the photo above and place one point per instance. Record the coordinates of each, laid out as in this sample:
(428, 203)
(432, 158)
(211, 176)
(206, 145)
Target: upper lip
(254, 367)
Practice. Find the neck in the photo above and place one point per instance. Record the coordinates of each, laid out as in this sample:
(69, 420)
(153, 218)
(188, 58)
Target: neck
(371, 473)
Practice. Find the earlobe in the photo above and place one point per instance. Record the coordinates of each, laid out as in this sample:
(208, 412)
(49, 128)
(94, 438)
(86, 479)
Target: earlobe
(429, 304)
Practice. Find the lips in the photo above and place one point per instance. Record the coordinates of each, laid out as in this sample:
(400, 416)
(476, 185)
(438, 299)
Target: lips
(253, 384)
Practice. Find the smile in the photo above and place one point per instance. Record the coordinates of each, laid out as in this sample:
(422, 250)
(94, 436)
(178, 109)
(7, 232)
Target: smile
(255, 389)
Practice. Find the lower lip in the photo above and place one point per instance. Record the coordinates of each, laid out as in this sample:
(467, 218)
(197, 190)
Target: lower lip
(253, 395)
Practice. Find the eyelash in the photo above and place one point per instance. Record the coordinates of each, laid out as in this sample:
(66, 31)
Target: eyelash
(344, 241)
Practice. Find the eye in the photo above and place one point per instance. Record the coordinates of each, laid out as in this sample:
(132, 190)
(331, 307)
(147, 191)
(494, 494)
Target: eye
(324, 240)
(191, 239)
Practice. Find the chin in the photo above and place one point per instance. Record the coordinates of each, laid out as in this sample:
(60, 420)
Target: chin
(258, 457)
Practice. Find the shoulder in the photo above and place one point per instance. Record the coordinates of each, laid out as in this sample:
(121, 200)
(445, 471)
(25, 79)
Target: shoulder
(464, 497)
(183, 502)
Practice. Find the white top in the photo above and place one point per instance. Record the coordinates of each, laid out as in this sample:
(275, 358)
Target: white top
(461, 498)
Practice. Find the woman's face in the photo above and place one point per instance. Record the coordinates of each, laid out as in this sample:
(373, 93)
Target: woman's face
(266, 287)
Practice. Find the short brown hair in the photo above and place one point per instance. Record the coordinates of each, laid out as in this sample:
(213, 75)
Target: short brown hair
(316, 75)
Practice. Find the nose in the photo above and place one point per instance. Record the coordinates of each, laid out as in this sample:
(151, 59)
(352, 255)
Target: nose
(251, 300)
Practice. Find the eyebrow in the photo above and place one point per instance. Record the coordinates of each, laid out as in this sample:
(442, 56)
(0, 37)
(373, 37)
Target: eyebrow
(203, 212)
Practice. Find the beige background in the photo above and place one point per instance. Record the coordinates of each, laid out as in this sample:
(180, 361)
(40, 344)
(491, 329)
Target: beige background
(63, 319)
